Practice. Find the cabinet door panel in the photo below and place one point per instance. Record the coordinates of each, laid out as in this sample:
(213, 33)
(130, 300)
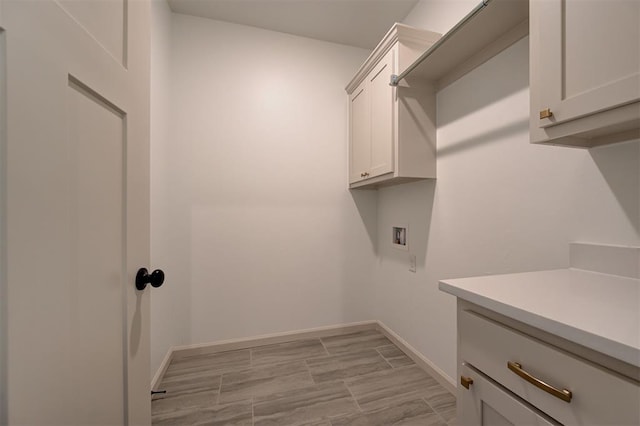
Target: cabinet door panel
(589, 57)
(360, 129)
(485, 403)
(382, 115)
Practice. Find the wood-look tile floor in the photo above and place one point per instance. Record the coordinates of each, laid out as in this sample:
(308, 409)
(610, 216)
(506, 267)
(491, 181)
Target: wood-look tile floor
(349, 379)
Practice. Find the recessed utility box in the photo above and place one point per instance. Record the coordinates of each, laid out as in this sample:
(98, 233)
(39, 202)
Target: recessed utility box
(399, 237)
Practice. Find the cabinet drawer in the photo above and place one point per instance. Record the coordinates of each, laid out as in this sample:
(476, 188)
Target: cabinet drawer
(484, 403)
(598, 397)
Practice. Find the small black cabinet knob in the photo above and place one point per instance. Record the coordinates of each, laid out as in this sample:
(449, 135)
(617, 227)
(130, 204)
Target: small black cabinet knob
(156, 278)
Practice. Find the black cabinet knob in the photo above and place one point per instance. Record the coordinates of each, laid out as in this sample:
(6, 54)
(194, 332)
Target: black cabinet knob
(156, 278)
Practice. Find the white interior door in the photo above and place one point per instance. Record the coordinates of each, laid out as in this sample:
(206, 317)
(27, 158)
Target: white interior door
(76, 208)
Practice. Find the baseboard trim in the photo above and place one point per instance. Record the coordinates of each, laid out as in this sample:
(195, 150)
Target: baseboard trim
(270, 339)
(447, 382)
(157, 378)
(178, 352)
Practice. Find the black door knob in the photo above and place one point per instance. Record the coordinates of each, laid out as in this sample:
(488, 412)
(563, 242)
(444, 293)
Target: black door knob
(143, 277)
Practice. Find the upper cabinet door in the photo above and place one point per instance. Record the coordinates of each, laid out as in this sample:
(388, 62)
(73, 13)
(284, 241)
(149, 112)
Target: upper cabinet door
(589, 57)
(382, 116)
(359, 133)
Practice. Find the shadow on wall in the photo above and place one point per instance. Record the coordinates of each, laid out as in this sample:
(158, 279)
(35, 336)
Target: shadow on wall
(408, 204)
(478, 140)
(614, 162)
(484, 101)
(366, 201)
(420, 129)
(480, 96)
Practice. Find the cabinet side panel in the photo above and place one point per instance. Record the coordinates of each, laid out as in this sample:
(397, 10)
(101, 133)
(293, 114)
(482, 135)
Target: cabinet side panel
(537, 134)
(416, 111)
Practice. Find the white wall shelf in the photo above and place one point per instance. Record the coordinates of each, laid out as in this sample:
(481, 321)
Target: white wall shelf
(488, 29)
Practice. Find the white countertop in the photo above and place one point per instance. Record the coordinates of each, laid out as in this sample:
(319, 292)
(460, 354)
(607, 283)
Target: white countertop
(598, 311)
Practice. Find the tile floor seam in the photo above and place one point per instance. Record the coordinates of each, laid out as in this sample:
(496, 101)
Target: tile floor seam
(406, 367)
(323, 345)
(386, 346)
(219, 390)
(352, 396)
(309, 371)
(253, 411)
(435, 411)
(385, 359)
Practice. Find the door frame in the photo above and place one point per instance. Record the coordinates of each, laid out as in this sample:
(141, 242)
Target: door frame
(3, 230)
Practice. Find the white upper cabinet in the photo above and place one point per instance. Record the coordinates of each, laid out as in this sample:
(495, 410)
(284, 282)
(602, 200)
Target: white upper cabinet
(585, 71)
(391, 129)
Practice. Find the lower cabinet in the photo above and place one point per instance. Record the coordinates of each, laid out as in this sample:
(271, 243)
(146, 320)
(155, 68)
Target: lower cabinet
(510, 377)
(487, 403)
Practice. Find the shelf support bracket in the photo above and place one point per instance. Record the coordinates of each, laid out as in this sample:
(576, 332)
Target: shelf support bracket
(394, 80)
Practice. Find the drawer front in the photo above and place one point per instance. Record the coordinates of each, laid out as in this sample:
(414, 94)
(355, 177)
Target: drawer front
(486, 404)
(598, 397)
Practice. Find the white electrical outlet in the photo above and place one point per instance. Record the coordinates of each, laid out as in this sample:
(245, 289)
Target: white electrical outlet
(412, 262)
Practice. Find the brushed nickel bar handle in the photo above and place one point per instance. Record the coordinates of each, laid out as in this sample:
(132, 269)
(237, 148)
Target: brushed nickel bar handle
(563, 394)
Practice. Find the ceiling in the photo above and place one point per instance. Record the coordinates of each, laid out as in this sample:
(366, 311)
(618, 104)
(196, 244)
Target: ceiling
(360, 23)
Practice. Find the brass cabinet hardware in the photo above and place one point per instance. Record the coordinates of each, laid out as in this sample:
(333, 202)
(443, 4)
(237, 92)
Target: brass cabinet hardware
(364, 174)
(466, 381)
(545, 113)
(563, 394)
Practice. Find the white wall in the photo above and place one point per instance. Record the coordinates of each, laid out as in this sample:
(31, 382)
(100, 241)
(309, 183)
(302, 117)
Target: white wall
(252, 219)
(258, 234)
(169, 303)
(499, 204)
